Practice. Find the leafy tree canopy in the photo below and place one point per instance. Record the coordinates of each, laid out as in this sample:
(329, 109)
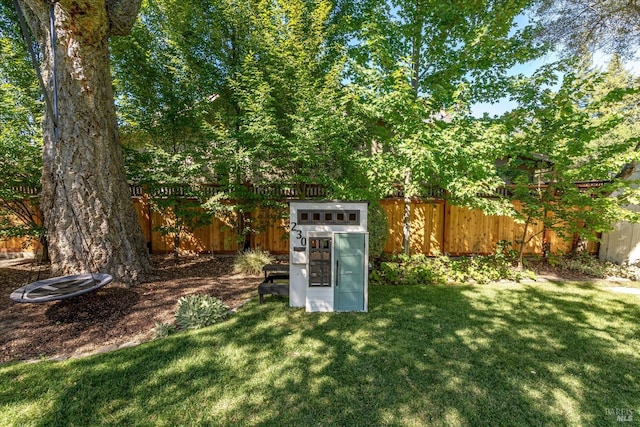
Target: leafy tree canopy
(583, 132)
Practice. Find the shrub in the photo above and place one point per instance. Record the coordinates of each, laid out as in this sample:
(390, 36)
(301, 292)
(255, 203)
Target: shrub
(422, 270)
(252, 261)
(378, 228)
(590, 265)
(388, 274)
(409, 270)
(162, 330)
(198, 311)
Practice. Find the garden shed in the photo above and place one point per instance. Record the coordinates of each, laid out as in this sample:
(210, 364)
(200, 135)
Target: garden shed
(328, 255)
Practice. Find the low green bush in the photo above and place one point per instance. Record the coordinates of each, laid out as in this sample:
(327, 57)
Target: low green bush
(390, 272)
(421, 270)
(590, 265)
(405, 270)
(199, 311)
(162, 330)
(378, 227)
(252, 261)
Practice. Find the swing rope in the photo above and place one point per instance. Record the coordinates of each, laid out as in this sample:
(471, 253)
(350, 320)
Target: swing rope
(52, 108)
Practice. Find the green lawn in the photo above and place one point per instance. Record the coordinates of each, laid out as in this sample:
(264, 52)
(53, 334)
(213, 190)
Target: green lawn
(501, 354)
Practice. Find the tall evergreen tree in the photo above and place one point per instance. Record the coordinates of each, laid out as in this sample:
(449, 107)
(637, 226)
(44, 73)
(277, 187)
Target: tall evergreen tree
(581, 26)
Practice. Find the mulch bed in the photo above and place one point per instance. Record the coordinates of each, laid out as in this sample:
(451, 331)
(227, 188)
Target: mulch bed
(112, 315)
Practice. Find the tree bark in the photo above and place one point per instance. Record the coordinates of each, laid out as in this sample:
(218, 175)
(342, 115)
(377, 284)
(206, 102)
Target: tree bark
(90, 220)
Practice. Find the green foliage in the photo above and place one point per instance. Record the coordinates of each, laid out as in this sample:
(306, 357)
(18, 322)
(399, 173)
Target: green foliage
(410, 270)
(419, 67)
(199, 311)
(422, 270)
(162, 330)
(297, 123)
(590, 265)
(444, 48)
(378, 227)
(172, 178)
(265, 105)
(20, 135)
(252, 261)
(270, 105)
(577, 132)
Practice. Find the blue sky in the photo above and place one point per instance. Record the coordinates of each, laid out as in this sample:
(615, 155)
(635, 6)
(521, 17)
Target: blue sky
(504, 105)
(600, 60)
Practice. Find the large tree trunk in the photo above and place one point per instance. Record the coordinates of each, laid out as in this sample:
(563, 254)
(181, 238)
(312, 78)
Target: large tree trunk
(89, 215)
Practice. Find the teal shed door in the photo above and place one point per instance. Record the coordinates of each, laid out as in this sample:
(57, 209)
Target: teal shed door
(349, 252)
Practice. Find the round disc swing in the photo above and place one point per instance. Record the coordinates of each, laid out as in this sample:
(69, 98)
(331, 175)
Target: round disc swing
(62, 287)
(57, 288)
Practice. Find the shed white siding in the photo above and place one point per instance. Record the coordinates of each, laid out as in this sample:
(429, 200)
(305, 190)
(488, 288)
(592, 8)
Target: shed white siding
(622, 245)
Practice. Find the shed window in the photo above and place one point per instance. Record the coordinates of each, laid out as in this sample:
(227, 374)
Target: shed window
(353, 217)
(320, 261)
(328, 217)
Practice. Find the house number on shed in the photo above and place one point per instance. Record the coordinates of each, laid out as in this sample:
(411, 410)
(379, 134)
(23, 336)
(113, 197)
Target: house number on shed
(298, 234)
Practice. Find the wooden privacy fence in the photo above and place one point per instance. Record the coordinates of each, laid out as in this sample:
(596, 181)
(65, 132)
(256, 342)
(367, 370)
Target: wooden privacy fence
(217, 237)
(440, 228)
(436, 228)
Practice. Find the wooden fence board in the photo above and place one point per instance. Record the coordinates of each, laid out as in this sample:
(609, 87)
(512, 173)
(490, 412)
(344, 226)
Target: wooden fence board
(15, 245)
(426, 227)
(274, 235)
(394, 210)
(223, 237)
(427, 222)
(141, 206)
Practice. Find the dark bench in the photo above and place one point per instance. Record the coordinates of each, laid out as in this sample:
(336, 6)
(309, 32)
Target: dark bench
(274, 272)
(272, 289)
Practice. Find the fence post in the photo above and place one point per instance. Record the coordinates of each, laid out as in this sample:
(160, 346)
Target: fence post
(446, 214)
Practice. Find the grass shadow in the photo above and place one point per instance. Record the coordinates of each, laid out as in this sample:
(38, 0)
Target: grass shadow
(494, 355)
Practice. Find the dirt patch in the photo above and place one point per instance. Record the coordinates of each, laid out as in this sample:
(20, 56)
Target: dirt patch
(112, 315)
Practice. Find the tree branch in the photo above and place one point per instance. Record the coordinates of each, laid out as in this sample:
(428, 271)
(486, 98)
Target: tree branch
(627, 170)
